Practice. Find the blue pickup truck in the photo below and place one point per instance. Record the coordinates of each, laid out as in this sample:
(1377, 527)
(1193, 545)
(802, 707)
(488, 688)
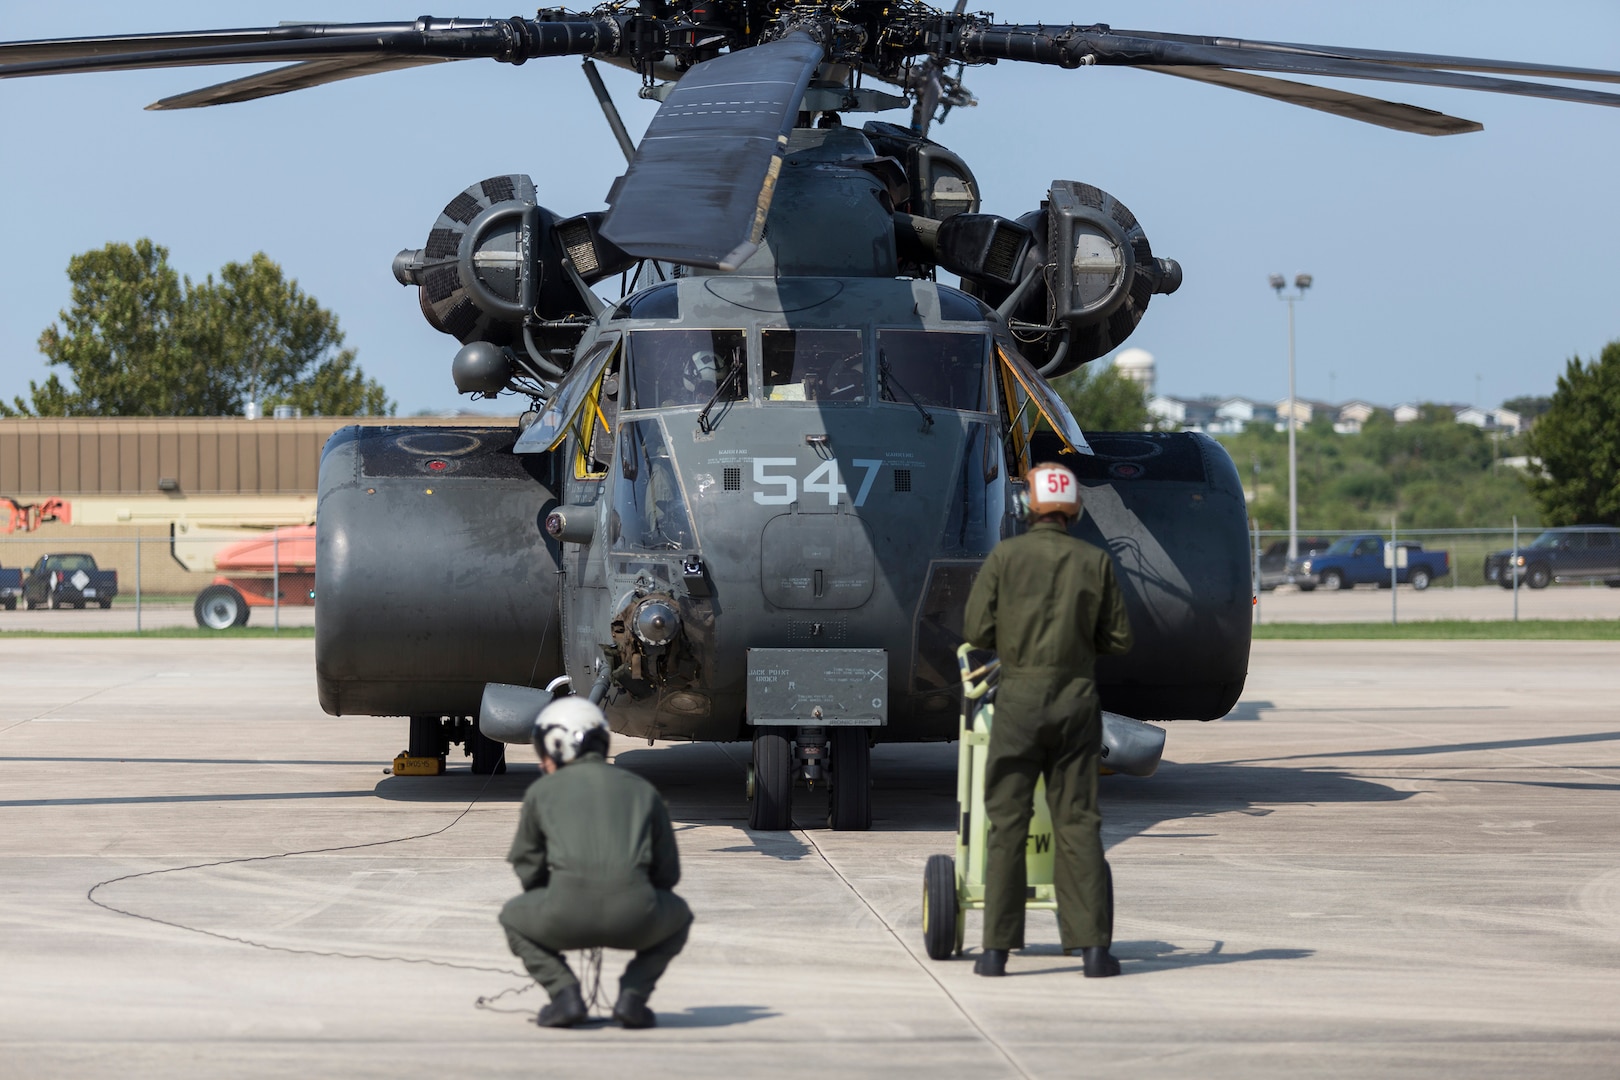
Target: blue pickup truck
(10, 587)
(1359, 560)
(59, 581)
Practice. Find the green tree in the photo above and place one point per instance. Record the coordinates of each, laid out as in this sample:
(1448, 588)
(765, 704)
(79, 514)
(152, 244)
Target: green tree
(1578, 442)
(140, 340)
(1102, 399)
(1434, 472)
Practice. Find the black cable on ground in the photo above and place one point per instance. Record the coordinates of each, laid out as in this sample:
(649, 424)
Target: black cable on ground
(297, 950)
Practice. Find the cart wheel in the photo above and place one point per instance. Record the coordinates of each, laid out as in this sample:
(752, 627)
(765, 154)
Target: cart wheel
(941, 917)
(771, 807)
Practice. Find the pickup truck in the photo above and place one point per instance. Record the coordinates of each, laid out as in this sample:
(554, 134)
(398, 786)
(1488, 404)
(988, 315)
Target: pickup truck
(1276, 568)
(1572, 553)
(10, 588)
(1359, 560)
(59, 581)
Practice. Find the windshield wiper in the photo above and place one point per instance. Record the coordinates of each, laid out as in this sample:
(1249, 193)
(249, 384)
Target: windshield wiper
(886, 379)
(725, 384)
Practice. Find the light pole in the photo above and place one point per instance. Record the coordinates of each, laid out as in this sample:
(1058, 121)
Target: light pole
(1301, 283)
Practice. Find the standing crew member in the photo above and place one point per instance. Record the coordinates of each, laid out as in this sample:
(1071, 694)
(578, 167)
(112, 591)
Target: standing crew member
(596, 855)
(1049, 605)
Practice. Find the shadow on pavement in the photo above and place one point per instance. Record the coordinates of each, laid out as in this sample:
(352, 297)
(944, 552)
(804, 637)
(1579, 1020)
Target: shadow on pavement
(1141, 957)
(714, 1016)
(1457, 748)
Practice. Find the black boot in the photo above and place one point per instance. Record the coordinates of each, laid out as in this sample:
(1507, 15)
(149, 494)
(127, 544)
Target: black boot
(991, 962)
(631, 1011)
(1099, 962)
(565, 1010)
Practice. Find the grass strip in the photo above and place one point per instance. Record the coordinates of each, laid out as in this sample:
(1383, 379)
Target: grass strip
(172, 632)
(1446, 630)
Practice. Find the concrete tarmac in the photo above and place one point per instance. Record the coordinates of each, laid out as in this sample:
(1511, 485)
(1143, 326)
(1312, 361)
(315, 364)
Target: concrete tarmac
(1393, 859)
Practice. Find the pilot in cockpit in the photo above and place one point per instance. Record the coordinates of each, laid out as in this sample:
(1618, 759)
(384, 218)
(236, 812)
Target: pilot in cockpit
(700, 375)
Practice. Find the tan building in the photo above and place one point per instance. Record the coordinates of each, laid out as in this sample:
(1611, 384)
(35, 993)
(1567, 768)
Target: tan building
(160, 493)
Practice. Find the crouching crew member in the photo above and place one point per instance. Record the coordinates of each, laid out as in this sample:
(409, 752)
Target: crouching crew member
(1048, 604)
(596, 855)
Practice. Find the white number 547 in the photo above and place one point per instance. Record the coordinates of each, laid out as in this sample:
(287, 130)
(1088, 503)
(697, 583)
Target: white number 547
(779, 486)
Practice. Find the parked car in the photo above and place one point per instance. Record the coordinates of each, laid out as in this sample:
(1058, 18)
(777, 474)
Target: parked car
(10, 587)
(1275, 569)
(1359, 560)
(1573, 553)
(60, 581)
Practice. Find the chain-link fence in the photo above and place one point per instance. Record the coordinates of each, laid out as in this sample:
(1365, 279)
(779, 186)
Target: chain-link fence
(1478, 580)
(58, 578)
(1466, 552)
(53, 579)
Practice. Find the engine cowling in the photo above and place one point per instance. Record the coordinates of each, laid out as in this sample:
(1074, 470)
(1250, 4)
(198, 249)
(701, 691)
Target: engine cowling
(501, 270)
(1095, 273)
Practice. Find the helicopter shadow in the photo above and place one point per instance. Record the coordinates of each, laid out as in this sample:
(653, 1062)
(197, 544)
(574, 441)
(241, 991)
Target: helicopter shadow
(914, 790)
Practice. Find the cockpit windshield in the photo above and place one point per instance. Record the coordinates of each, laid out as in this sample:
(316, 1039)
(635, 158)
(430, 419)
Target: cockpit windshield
(935, 368)
(814, 365)
(685, 367)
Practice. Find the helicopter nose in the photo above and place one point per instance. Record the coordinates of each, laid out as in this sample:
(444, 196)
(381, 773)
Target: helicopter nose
(656, 621)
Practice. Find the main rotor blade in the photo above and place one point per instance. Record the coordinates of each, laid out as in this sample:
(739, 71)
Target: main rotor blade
(1369, 110)
(283, 80)
(701, 182)
(1083, 46)
(1432, 61)
(509, 40)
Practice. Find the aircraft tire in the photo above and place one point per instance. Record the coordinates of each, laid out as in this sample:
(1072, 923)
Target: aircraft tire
(771, 808)
(941, 914)
(850, 808)
(488, 755)
(427, 737)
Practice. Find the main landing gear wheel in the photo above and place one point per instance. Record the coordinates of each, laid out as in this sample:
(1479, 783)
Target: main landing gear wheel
(427, 737)
(850, 804)
(770, 805)
(220, 607)
(488, 755)
(942, 920)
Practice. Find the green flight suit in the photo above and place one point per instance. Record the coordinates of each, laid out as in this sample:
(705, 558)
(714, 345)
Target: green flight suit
(596, 855)
(1049, 605)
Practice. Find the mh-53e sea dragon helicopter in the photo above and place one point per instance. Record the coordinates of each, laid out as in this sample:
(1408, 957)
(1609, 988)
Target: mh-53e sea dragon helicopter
(752, 493)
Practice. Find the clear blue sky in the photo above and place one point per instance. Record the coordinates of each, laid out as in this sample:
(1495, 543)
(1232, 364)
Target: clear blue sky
(1494, 255)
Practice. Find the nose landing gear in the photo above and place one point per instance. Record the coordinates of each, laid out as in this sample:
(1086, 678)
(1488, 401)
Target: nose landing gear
(783, 755)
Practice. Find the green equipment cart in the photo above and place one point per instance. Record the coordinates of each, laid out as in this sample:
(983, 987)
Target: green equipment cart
(953, 886)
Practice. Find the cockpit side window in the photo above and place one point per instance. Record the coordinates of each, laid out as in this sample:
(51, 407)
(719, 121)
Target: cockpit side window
(814, 365)
(649, 511)
(686, 367)
(936, 367)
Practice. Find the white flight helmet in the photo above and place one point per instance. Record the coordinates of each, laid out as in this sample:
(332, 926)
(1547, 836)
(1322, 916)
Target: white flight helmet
(702, 373)
(568, 727)
(1053, 489)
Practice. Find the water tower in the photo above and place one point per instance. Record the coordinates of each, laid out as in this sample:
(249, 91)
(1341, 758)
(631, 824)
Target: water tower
(1137, 366)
